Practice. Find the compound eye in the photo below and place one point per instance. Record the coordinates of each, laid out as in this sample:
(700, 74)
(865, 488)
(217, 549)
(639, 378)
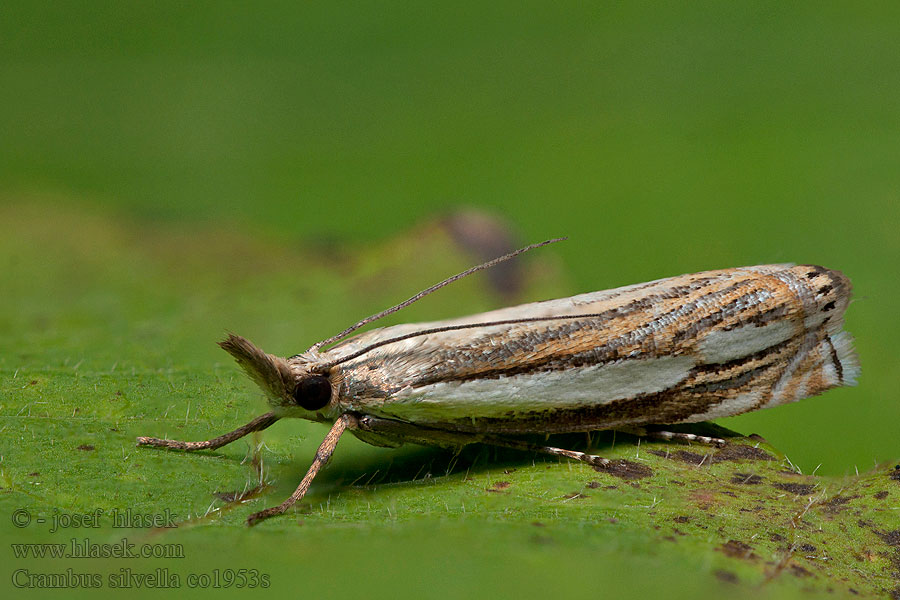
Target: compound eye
(313, 393)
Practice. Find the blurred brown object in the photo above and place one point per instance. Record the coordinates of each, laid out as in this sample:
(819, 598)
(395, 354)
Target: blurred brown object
(485, 236)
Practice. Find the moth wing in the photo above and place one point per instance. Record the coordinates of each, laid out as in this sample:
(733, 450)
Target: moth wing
(672, 350)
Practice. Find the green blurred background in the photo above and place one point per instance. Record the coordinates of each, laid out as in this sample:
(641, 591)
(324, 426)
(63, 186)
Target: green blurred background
(662, 138)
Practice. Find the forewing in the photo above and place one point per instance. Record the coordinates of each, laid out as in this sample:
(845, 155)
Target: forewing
(680, 349)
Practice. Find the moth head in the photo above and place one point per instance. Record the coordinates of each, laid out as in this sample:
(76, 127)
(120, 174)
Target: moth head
(291, 389)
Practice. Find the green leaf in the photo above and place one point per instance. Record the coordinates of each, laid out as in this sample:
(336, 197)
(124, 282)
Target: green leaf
(108, 330)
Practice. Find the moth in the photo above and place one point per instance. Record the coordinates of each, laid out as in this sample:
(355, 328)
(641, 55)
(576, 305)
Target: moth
(678, 350)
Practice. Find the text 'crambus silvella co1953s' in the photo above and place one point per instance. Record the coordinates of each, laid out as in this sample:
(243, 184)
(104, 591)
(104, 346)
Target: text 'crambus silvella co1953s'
(677, 350)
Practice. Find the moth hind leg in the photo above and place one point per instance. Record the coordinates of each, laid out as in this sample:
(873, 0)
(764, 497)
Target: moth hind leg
(673, 436)
(686, 437)
(434, 437)
(591, 459)
(599, 461)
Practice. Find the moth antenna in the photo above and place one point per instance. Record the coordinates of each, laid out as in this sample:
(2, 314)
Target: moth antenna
(325, 366)
(336, 338)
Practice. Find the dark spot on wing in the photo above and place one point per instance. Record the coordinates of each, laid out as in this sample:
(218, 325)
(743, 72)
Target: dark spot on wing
(838, 367)
(816, 270)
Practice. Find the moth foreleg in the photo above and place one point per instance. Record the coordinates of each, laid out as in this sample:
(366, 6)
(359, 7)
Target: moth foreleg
(323, 454)
(257, 424)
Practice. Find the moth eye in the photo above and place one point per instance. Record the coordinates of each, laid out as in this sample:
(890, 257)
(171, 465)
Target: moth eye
(313, 393)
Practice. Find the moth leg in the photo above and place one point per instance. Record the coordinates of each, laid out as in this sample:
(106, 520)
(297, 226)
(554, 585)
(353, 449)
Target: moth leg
(685, 437)
(591, 459)
(438, 437)
(323, 454)
(257, 424)
(671, 436)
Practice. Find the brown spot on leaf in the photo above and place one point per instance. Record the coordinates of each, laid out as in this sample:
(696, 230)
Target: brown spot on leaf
(798, 571)
(593, 485)
(704, 499)
(839, 500)
(737, 549)
(681, 519)
(34, 473)
(33, 382)
(746, 479)
(227, 496)
(776, 537)
(741, 452)
(726, 576)
(575, 496)
(807, 548)
(692, 458)
(838, 504)
(801, 489)
(895, 474)
(237, 497)
(881, 495)
(891, 538)
(625, 469)
(85, 447)
(865, 555)
(498, 486)
(895, 562)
